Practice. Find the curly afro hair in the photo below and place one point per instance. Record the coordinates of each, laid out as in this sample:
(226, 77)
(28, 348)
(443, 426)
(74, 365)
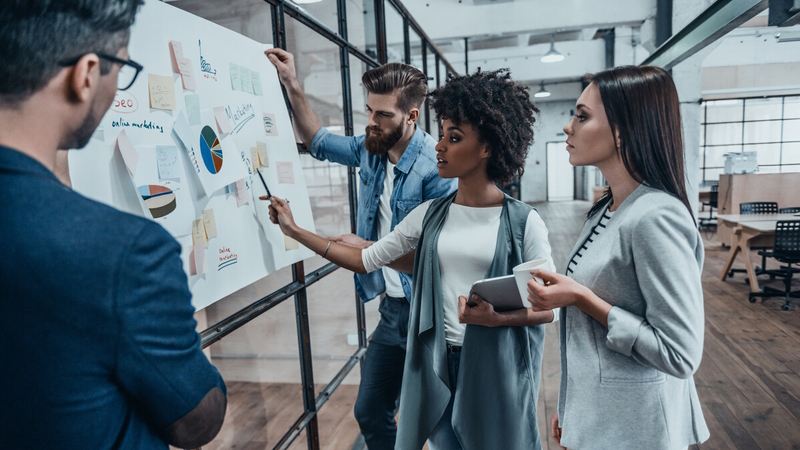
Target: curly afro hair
(499, 109)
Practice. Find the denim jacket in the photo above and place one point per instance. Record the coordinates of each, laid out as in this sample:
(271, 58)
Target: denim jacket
(416, 181)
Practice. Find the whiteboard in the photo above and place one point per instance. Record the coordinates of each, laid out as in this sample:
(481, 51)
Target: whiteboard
(172, 182)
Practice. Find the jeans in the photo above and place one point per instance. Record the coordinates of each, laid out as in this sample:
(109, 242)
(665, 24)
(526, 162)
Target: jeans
(382, 376)
(443, 436)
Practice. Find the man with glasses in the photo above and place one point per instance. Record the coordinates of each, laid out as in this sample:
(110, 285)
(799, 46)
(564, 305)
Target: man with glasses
(98, 347)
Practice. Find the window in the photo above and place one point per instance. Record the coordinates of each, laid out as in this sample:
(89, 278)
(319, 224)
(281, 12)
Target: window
(768, 126)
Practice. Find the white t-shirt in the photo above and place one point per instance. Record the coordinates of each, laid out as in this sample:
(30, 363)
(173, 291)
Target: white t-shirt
(466, 249)
(391, 277)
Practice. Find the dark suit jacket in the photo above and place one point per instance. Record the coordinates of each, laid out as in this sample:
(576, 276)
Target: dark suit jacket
(98, 347)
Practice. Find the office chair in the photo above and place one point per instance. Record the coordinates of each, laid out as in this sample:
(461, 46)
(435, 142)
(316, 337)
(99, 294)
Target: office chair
(786, 250)
(757, 208)
(789, 210)
(710, 221)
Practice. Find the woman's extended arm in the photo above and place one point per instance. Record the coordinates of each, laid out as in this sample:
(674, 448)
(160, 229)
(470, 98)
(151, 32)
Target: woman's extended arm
(339, 254)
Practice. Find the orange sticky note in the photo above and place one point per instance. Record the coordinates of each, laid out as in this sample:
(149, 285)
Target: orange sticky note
(209, 223)
(254, 158)
(128, 151)
(262, 153)
(199, 233)
(162, 92)
(290, 244)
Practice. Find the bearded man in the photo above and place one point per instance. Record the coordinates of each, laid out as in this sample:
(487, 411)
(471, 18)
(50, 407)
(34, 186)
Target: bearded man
(397, 163)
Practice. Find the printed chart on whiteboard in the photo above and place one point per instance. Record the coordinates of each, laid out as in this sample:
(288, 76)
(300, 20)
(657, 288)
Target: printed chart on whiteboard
(182, 146)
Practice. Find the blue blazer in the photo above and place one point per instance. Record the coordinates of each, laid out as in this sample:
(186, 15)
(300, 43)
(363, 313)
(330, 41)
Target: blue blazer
(98, 347)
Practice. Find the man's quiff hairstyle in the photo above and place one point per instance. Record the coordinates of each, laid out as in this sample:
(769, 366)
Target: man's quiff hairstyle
(408, 82)
(35, 35)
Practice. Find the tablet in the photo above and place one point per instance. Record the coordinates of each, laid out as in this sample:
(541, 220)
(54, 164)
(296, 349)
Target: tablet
(501, 292)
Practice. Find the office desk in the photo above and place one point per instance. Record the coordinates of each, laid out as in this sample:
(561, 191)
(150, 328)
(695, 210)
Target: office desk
(747, 227)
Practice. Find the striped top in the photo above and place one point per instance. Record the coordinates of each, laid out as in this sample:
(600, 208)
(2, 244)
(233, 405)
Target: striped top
(601, 225)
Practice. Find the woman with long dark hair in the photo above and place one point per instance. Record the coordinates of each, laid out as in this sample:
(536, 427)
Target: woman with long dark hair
(471, 376)
(631, 302)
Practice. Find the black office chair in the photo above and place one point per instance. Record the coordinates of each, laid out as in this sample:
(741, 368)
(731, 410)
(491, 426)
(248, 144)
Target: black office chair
(757, 208)
(789, 210)
(710, 221)
(785, 250)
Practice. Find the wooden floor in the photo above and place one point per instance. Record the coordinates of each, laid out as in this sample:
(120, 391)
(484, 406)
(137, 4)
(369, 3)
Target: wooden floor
(748, 381)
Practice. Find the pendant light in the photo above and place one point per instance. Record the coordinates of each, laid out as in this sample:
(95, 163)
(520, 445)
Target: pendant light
(552, 55)
(542, 93)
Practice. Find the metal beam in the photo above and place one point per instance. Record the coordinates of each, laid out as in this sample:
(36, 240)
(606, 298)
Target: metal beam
(784, 13)
(713, 23)
(418, 29)
(663, 21)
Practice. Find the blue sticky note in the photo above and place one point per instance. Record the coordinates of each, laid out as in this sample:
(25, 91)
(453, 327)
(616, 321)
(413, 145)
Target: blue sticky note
(192, 108)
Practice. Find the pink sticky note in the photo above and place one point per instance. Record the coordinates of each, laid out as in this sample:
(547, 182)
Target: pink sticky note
(285, 172)
(187, 73)
(198, 260)
(128, 151)
(223, 123)
(242, 194)
(175, 54)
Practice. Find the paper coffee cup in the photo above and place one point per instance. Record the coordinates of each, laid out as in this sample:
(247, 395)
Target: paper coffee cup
(522, 274)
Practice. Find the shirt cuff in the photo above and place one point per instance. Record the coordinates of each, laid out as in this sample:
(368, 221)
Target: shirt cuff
(623, 329)
(316, 142)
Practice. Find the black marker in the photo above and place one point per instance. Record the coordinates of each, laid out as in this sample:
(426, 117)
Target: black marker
(264, 183)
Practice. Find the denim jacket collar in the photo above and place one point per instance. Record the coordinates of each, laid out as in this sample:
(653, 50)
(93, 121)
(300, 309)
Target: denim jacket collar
(412, 151)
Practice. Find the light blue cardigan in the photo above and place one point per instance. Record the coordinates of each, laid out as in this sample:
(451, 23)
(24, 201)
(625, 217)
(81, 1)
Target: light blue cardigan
(630, 386)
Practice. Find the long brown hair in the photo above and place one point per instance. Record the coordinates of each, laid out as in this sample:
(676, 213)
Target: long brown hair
(642, 104)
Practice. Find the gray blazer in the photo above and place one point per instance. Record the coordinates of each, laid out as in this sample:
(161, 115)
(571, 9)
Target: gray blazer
(631, 386)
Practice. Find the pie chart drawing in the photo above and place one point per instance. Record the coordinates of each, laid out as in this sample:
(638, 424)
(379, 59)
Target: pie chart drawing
(211, 150)
(159, 199)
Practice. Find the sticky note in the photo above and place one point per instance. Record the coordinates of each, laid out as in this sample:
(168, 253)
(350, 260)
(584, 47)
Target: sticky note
(285, 172)
(128, 151)
(236, 80)
(162, 92)
(210, 223)
(254, 160)
(199, 233)
(247, 82)
(192, 108)
(183, 130)
(176, 54)
(199, 264)
(223, 123)
(262, 153)
(269, 125)
(242, 195)
(290, 244)
(255, 79)
(167, 162)
(187, 74)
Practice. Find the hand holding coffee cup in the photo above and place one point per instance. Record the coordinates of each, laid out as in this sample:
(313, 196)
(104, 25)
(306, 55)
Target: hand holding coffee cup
(554, 290)
(522, 275)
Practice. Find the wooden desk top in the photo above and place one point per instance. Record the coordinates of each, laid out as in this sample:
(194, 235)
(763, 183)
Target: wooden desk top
(748, 218)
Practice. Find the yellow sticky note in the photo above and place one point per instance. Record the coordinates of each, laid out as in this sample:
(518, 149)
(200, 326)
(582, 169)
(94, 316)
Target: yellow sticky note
(162, 92)
(199, 233)
(262, 153)
(290, 244)
(210, 223)
(254, 158)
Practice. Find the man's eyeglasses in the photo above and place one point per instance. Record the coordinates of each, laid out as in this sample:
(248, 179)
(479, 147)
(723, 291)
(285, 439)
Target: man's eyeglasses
(128, 70)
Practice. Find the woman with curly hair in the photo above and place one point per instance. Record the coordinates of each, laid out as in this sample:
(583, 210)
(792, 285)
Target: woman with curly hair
(471, 375)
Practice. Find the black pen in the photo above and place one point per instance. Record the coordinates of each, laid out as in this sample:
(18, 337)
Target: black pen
(264, 183)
